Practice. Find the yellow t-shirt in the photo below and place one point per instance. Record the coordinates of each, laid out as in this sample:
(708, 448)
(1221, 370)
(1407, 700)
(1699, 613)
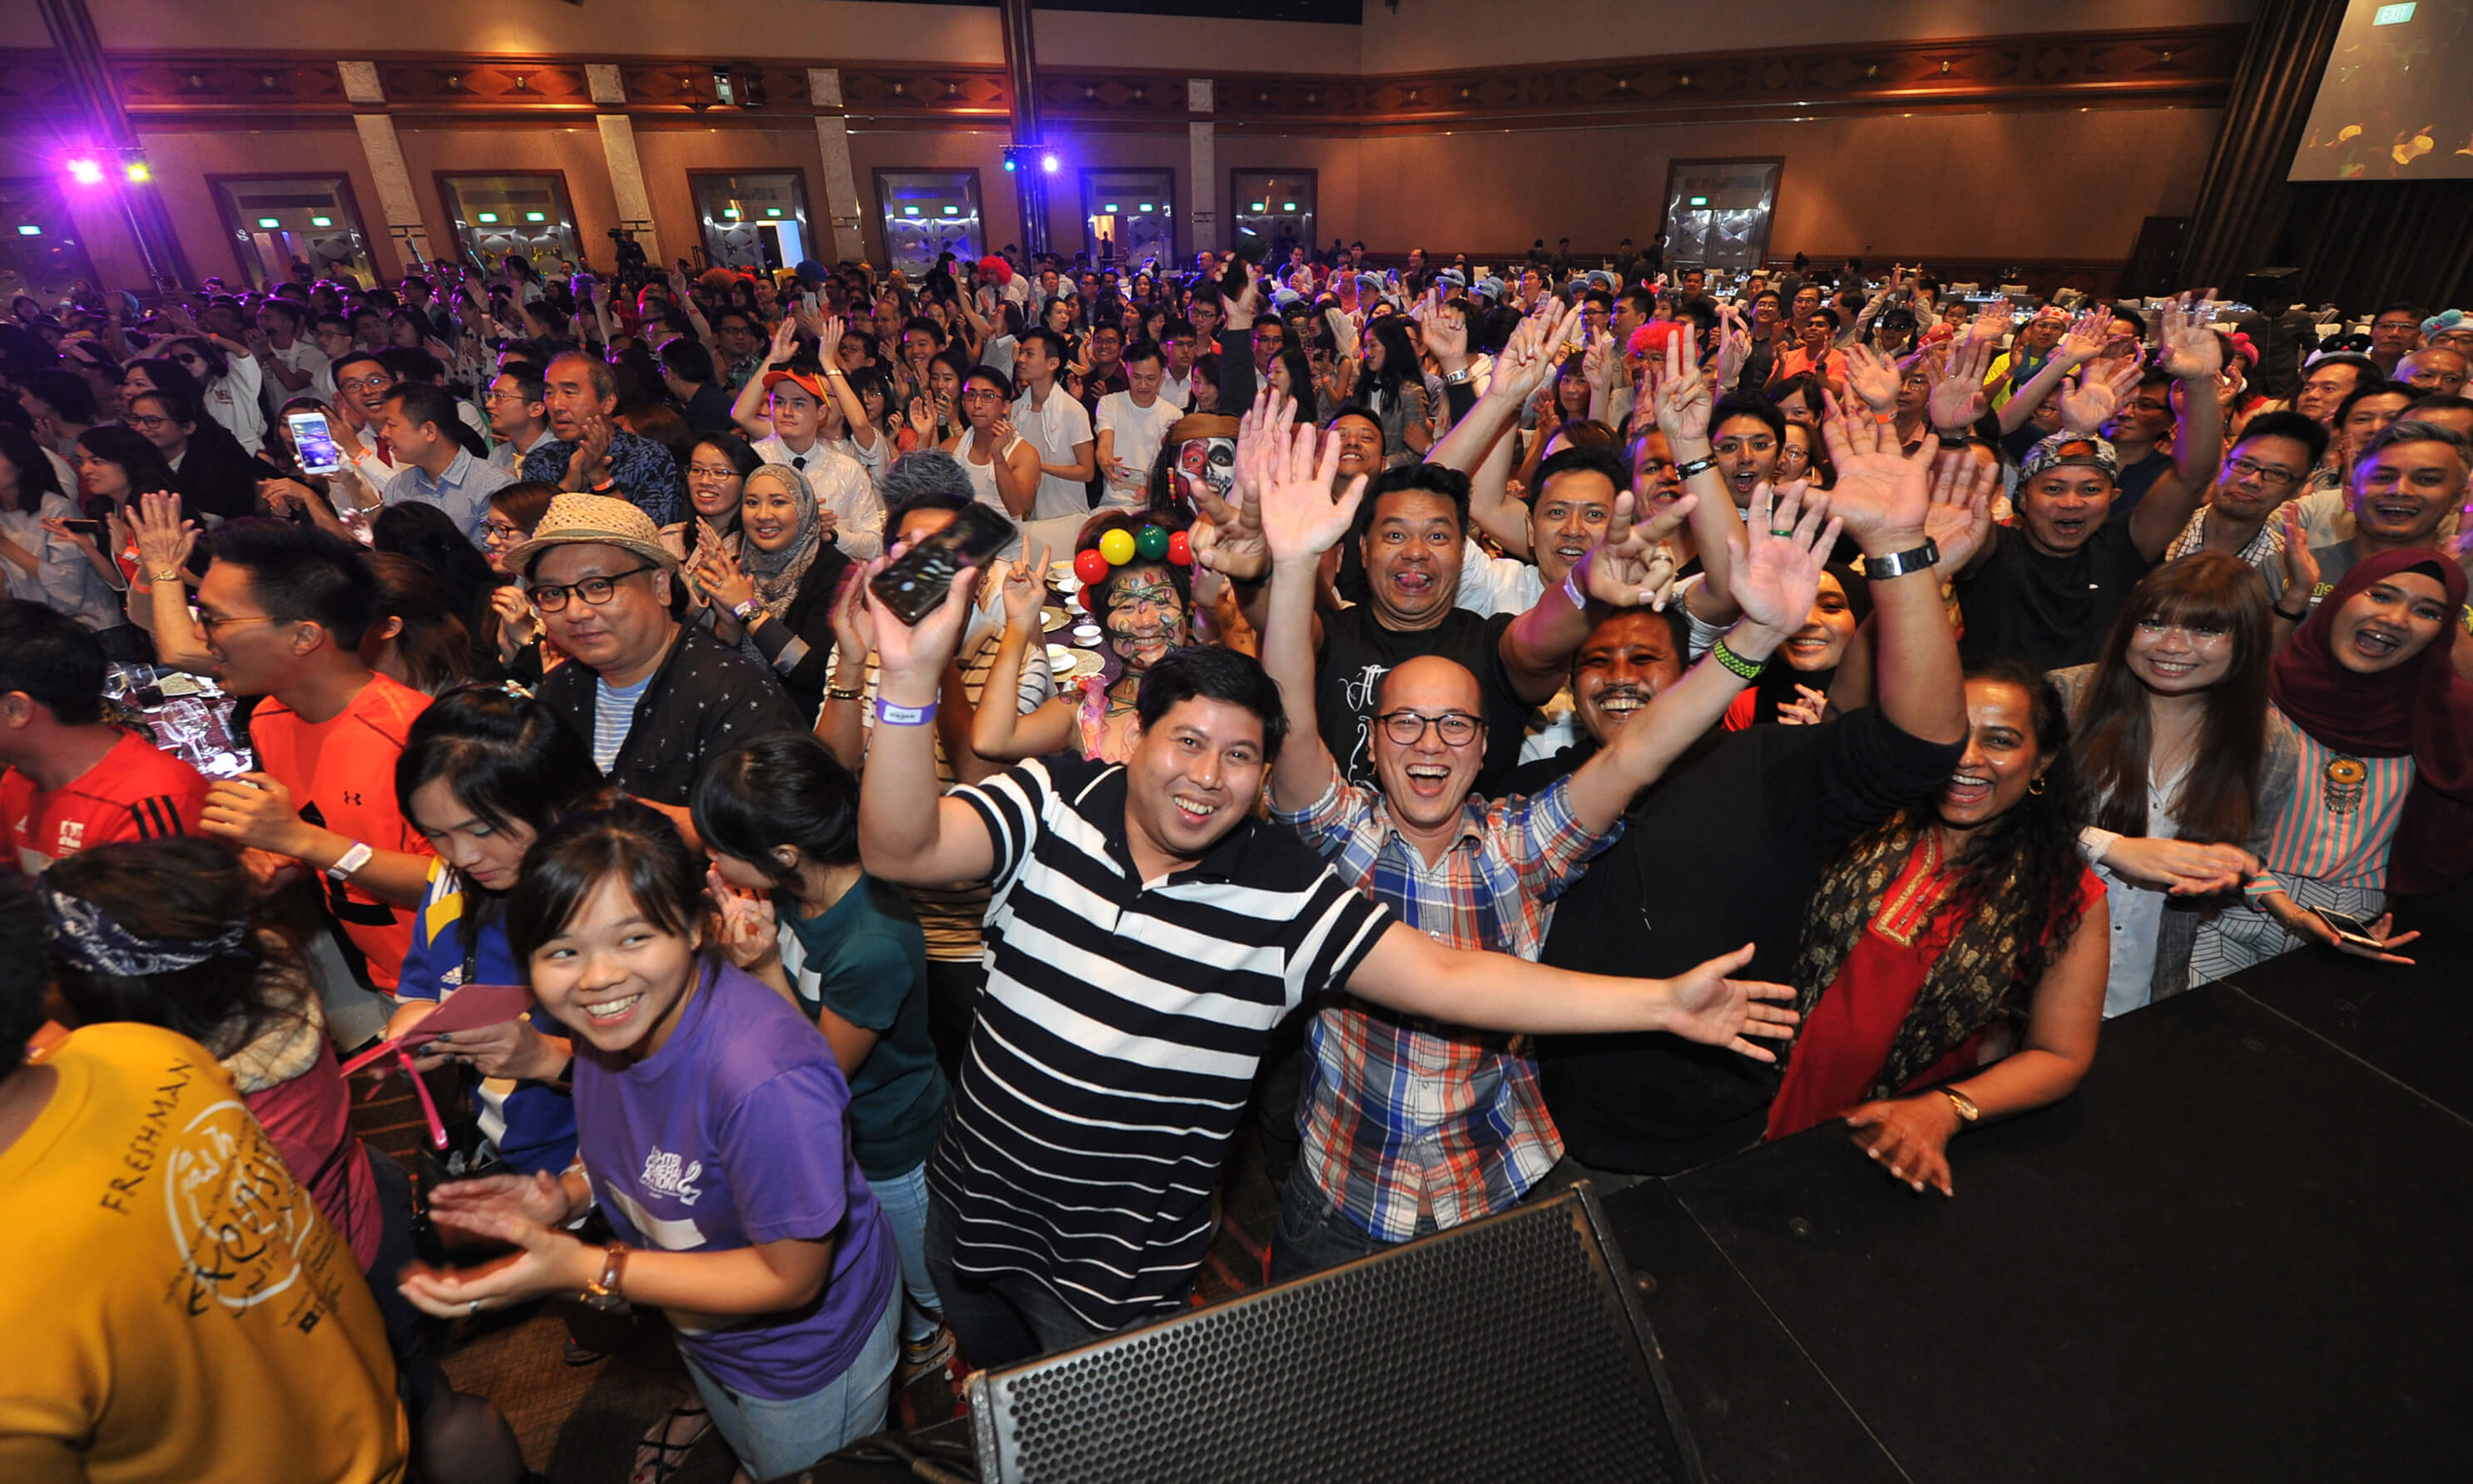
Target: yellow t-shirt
(174, 1306)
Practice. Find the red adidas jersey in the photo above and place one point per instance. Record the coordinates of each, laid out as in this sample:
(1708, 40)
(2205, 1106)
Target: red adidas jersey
(136, 792)
(341, 775)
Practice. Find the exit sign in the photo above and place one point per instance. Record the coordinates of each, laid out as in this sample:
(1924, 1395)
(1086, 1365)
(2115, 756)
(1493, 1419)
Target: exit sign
(2392, 14)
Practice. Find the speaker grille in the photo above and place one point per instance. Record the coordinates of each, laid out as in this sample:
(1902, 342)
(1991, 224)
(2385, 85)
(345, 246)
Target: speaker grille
(1501, 1350)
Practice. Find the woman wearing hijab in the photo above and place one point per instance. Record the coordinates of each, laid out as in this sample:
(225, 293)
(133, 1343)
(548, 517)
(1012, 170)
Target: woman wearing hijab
(1797, 693)
(2383, 804)
(774, 598)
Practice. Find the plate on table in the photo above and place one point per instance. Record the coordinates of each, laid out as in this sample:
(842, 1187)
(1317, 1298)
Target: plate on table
(1080, 663)
(1052, 619)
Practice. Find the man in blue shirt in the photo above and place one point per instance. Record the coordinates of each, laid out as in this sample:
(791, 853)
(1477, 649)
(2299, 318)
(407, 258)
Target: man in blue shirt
(419, 421)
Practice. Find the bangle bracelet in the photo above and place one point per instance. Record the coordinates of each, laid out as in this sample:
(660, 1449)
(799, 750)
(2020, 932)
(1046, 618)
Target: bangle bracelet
(839, 693)
(892, 715)
(1735, 663)
(2292, 618)
(1687, 470)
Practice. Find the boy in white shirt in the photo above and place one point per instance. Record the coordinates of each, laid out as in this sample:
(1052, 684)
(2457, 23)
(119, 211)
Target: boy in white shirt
(1132, 424)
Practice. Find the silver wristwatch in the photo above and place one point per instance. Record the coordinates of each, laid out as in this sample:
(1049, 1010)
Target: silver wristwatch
(1899, 564)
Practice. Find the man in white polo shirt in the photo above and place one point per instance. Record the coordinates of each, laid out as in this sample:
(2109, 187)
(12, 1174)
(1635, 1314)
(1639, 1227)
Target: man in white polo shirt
(1132, 423)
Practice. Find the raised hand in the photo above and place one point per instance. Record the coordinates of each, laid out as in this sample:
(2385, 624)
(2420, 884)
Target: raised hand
(2086, 337)
(1960, 518)
(1874, 378)
(1958, 389)
(1634, 566)
(854, 631)
(1733, 347)
(165, 540)
(2089, 402)
(1445, 334)
(1300, 520)
(1775, 558)
(912, 657)
(2300, 564)
(1525, 361)
(1880, 490)
(1681, 399)
(1597, 364)
(1717, 1011)
(2192, 351)
(1025, 588)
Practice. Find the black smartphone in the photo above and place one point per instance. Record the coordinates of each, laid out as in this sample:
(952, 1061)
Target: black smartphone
(2351, 929)
(92, 530)
(917, 582)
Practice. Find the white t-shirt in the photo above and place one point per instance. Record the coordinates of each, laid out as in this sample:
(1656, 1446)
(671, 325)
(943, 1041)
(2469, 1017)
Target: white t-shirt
(303, 354)
(233, 401)
(1137, 433)
(1054, 430)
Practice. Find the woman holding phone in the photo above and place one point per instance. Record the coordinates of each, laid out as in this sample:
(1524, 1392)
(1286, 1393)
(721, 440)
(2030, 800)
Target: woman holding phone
(2383, 799)
(768, 1254)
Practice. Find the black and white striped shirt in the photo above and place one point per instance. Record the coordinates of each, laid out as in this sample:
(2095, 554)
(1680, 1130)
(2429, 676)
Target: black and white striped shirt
(1117, 1039)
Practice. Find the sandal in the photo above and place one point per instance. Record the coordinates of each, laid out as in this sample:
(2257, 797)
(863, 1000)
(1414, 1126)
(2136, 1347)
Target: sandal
(660, 1454)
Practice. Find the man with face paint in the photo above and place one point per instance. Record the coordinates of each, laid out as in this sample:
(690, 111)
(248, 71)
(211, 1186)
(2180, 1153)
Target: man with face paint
(2047, 589)
(1411, 1126)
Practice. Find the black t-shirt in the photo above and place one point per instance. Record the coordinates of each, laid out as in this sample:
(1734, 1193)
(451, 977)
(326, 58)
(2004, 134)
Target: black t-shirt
(2136, 479)
(1357, 652)
(2048, 612)
(1725, 849)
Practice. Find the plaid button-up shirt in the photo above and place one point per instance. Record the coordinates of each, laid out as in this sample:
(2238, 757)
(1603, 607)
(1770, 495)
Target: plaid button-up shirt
(1402, 1112)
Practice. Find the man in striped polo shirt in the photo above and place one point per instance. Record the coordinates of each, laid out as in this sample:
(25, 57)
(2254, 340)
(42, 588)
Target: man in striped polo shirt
(1146, 933)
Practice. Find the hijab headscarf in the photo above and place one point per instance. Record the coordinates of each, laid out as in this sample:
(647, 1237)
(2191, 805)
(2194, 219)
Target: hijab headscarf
(2419, 708)
(776, 575)
(1776, 686)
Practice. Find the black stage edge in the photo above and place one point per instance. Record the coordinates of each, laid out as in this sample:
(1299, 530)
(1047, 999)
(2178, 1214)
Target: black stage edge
(2238, 1253)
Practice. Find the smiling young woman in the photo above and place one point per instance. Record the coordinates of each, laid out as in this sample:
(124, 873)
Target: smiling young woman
(2384, 797)
(2182, 679)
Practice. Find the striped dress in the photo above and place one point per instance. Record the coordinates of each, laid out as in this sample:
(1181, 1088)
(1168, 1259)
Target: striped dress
(1117, 1039)
(2329, 849)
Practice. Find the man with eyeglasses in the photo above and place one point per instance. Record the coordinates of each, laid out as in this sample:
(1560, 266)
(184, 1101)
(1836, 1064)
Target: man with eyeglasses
(517, 409)
(283, 609)
(589, 453)
(651, 697)
(362, 382)
(2395, 332)
(1413, 1126)
(2271, 465)
(2140, 428)
(2401, 487)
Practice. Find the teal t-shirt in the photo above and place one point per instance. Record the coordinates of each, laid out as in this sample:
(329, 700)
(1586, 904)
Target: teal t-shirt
(866, 961)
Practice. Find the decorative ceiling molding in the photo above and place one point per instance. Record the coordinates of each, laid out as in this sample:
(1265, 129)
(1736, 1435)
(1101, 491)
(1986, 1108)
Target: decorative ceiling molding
(2183, 66)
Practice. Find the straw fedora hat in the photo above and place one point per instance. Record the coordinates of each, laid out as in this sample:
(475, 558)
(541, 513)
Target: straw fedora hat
(596, 519)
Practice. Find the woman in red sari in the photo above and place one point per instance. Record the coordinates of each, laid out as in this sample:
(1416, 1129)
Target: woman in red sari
(1946, 937)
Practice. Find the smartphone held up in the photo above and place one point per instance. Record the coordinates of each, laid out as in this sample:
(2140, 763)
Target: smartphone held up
(914, 585)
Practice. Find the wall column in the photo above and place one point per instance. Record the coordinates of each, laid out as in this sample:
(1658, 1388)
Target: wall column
(405, 225)
(845, 214)
(619, 151)
(1022, 82)
(1205, 166)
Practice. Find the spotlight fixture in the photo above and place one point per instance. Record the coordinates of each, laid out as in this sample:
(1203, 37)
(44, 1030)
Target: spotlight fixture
(85, 171)
(1047, 162)
(135, 173)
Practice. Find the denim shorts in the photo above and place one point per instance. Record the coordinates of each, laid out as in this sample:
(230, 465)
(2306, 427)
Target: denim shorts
(776, 1439)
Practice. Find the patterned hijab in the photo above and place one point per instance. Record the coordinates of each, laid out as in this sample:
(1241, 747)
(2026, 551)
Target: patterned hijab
(776, 575)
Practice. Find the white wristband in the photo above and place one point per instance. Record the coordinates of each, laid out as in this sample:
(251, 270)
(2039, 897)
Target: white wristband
(350, 861)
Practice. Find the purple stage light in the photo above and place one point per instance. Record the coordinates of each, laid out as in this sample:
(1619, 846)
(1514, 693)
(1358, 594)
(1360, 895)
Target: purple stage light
(85, 171)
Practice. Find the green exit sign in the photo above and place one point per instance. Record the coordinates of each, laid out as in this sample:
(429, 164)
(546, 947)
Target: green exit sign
(2392, 15)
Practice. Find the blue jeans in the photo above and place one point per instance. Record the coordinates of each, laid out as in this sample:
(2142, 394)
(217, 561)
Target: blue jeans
(1313, 1235)
(1011, 1317)
(904, 1200)
(776, 1439)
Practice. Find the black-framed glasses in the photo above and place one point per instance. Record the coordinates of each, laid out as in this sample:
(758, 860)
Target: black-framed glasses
(550, 597)
(1408, 728)
(2266, 474)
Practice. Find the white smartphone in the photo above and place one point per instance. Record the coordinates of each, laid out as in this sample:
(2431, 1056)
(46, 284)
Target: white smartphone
(316, 442)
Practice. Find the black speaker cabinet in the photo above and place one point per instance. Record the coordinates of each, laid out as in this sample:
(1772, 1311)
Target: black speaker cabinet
(1512, 1348)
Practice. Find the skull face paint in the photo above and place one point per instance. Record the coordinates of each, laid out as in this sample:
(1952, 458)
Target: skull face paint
(1146, 617)
(1206, 461)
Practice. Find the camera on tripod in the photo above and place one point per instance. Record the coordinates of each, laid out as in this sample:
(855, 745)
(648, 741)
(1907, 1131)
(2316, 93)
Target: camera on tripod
(630, 252)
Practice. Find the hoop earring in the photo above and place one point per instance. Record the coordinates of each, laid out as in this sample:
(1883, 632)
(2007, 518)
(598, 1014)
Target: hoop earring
(2037, 786)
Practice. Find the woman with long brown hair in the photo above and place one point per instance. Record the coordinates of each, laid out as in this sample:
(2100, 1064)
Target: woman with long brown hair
(2182, 764)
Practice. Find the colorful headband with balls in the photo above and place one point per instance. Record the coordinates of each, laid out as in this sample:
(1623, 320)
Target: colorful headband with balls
(1119, 546)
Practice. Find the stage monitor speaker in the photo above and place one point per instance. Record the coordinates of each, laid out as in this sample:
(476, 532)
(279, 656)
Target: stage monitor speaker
(1509, 1348)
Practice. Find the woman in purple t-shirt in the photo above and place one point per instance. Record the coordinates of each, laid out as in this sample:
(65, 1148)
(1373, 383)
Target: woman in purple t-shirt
(769, 1255)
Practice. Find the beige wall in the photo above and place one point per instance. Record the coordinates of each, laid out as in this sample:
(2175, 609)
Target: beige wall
(1440, 33)
(1093, 38)
(598, 28)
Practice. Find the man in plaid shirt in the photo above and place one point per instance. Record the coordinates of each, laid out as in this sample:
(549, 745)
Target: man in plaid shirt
(1412, 1125)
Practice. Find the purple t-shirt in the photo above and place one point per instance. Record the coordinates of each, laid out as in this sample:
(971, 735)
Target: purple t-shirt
(730, 1136)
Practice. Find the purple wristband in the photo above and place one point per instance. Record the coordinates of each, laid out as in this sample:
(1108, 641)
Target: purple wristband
(892, 715)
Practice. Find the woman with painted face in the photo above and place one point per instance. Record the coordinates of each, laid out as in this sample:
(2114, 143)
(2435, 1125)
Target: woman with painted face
(2382, 804)
(769, 1255)
(1947, 935)
(774, 598)
(1796, 692)
(1145, 610)
(2183, 764)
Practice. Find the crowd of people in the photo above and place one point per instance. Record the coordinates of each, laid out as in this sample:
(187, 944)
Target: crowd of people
(1544, 728)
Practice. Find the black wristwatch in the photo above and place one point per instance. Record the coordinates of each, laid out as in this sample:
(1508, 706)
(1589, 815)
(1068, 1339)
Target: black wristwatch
(1899, 564)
